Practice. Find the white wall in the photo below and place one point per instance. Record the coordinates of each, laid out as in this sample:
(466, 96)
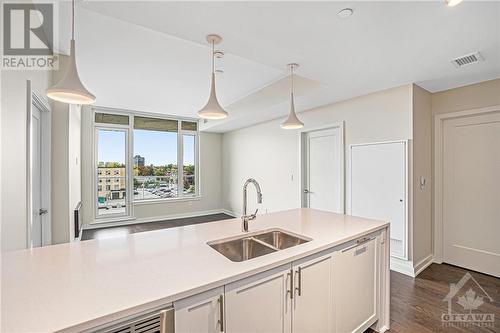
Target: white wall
(13, 152)
(74, 165)
(66, 173)
(422, 167)
(60, 172)
(271, 155)
(210, 174)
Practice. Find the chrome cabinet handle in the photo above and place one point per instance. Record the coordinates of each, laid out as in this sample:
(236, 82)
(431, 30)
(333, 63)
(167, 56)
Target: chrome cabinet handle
(299, 287)
(290, 276)
(167, 321)
(221, 314)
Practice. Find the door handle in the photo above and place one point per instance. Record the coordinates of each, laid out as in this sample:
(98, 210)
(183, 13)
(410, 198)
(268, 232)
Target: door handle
(290, 276)
(299, 284)
(307, 191)
(42, 211)
(221, 310)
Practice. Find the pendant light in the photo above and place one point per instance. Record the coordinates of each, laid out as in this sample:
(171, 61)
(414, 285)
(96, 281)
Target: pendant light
(292, 122)
(70, 89)
(213, 110)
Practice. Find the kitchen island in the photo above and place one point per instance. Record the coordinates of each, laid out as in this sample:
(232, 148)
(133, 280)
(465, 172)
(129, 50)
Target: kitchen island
(339, 279)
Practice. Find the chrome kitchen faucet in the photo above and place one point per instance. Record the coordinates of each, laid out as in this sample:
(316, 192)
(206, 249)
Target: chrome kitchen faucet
(245, 218)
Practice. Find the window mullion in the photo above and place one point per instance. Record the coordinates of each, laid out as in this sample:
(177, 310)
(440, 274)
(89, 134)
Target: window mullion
(180, 161)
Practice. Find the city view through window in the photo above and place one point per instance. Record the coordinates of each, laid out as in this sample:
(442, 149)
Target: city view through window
(111, 172)
(155, 163)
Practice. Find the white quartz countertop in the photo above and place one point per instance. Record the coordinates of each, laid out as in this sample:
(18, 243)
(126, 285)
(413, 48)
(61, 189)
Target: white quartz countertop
(71, 287)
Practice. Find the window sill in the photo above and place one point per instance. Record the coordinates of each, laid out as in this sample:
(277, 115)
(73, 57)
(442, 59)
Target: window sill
(166, 200)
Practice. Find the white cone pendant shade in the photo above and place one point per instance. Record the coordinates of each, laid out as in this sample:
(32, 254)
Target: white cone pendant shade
(292, 122)
(70, 89)
(212, 110)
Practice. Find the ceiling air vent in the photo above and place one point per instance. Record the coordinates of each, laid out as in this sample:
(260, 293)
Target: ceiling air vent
(467, 59)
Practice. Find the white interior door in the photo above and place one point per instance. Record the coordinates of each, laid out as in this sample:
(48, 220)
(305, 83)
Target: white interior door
(378, 188)
(471, 192)
(324, 170)
(36, 179)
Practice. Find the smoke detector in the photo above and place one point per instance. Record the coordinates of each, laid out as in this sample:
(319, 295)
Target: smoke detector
(468, 59)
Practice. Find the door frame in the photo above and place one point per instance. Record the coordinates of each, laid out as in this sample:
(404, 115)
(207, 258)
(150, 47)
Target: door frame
(439, 120)
(34, 98)
(303, 157)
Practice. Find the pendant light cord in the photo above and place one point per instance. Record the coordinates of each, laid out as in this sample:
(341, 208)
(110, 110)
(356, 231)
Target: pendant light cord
(291, 76)
(73, 19)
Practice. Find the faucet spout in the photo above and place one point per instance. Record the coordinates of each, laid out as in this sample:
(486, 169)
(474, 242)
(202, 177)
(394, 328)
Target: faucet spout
(245, 218)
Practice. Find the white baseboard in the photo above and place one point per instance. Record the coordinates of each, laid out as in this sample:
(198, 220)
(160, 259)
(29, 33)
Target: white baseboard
(423, 264)
(402, 266)
(406, 266)
(228, 212)
(98, 225)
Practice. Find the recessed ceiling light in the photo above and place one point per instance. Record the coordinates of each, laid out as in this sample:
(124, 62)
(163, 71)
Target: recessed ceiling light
(452, 3)
(346, 12)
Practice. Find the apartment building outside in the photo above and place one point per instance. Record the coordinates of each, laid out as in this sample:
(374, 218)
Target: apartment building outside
(111, 183)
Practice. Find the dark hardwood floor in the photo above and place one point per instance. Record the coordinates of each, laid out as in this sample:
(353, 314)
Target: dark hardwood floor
(417, 304)
(141, 227)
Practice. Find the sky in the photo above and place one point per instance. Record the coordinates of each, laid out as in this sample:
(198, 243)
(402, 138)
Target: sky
(158, 148)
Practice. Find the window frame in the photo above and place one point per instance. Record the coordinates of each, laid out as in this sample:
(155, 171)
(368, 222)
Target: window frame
(130, 200)
(180, 161)
(128, 203)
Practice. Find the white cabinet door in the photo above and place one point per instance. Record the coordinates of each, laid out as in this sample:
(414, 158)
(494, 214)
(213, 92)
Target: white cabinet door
(260, 303)
(312, 298)
(202, 313)
(378, 188)
(355, 285)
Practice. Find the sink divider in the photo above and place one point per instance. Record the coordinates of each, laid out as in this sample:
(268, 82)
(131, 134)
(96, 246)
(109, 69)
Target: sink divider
(264, 243)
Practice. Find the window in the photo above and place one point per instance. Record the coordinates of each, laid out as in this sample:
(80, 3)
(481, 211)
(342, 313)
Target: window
(111, 166)
(163, 157)
(155, 144)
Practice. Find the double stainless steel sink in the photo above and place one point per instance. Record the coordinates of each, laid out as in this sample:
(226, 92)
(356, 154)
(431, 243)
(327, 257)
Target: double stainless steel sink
(256, 244)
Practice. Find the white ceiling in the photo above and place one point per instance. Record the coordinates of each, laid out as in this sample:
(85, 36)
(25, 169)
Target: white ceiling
(152, 56)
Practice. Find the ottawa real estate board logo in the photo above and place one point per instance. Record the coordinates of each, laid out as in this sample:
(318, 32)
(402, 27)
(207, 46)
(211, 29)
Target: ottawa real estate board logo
(28, 36)
(467, 302)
